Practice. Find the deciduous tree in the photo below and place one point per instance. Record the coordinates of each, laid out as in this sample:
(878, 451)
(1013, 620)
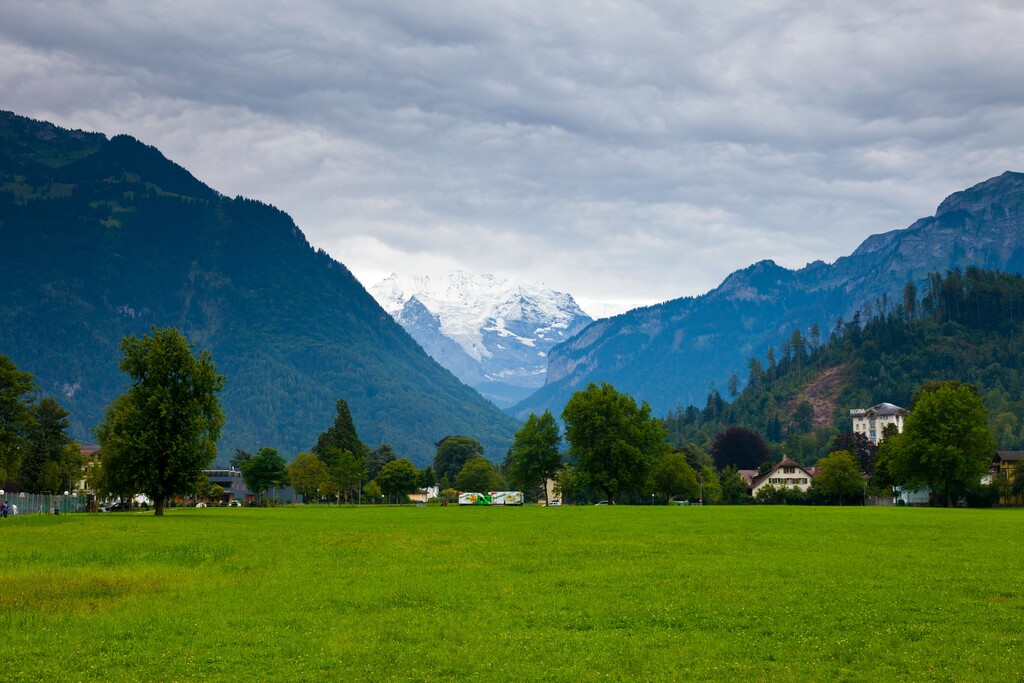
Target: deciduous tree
(372, 492)
(613, 441)
(478, 474)
(50, 451)
(397, 478)
(453, 452)
(673, 477)
(739, 447)
(860, 447)
(157, 437)
(266, 470)
(734, 487)
(946, 443)
(839, 478)
(710, 489)
(16, 398)
(348, 473)
(309, 476)
(534, 456)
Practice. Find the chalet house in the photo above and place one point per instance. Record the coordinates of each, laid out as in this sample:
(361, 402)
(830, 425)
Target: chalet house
(786, 474)
(871, 421)
(1004, 467)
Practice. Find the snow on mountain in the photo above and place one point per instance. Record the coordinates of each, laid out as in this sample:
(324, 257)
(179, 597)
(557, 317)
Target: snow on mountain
(493, 333)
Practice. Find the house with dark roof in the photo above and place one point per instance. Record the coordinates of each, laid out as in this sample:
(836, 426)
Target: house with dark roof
(871, 421)
(1006, 466)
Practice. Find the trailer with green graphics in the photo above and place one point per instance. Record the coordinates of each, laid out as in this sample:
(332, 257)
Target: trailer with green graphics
(470, 498)
(506, 497)
(491, 498)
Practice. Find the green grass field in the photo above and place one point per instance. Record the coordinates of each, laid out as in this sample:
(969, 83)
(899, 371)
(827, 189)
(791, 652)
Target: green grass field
(572, 593)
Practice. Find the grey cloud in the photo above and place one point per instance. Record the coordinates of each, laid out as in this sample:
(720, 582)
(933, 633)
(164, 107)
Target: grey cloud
(637, 150)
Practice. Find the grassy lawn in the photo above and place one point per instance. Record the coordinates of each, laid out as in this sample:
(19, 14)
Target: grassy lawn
(584, 593)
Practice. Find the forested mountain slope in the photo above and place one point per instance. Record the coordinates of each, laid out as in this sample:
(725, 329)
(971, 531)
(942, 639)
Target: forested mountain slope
(967, 327)
(105, 238)
(670, 354)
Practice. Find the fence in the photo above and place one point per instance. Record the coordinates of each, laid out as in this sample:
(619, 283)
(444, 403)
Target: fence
(44, 503)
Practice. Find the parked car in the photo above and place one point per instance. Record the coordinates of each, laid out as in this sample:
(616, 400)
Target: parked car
(554, 503)
(235, 504)
(601, 502)
(200, 504)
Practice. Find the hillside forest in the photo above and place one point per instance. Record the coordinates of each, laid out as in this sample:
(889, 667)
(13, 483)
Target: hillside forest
(965, 326)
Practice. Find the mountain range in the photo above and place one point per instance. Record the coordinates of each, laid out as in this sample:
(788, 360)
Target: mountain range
(105, 238)
(674, 353)
(493, 333)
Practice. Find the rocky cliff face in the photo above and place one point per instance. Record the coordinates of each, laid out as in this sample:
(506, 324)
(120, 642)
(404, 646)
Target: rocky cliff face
(492, 333)
(673, 353)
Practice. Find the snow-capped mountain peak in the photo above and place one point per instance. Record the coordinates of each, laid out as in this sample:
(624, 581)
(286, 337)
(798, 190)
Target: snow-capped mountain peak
(503, 327)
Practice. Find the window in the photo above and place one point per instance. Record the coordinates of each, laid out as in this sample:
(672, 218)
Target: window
(788, 470)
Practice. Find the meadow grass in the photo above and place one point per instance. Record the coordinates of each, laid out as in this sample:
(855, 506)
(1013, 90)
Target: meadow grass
(572, 593)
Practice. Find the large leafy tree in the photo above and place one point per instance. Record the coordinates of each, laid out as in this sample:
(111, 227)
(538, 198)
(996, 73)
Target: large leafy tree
(673, 476)
(946, 443)
(740, 447)
(613, 440)
(158, 436)
(52, 462)
(733, 487)
(534, 456)
(340, 437)
(860, 447)
(839, 477)
(16, 398)
(348, 473)
(453, 452)
(710, 488)
(309, 476)
(266, 470)
(398, 478)
(478, 474)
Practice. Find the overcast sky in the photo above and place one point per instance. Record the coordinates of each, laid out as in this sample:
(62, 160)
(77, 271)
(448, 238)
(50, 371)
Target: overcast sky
(624, 152)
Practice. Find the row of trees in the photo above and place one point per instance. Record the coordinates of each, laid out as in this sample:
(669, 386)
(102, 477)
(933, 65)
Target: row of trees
(159, 435)
(36, 452)
(616, 448)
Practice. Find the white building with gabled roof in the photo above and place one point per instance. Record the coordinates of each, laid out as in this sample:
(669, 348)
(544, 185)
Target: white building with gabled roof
(871, 421)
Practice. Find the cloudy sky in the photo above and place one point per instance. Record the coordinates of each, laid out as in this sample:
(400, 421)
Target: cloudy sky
(626, 152)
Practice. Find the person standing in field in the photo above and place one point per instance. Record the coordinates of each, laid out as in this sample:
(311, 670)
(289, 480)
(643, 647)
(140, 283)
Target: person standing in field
(3, 509)
(14, 509)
